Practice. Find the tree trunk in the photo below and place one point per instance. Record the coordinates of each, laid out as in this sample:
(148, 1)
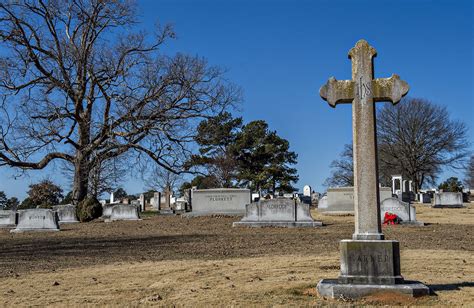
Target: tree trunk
(81, 178)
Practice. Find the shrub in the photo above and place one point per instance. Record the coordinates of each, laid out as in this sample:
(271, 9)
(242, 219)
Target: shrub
(27, 204)
(88, 209)
(45, 206)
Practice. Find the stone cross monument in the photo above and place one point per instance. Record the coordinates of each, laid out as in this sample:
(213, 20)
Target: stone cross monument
(166, 208)
(362, 91)
(368, 262)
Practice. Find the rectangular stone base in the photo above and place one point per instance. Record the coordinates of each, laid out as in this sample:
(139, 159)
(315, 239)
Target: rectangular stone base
(68, 221)
(199, 214)
(333, 288)
(284, 224)
(33, 230)
(7, 226)
(370, 262)
(449, 206)
(121, 219)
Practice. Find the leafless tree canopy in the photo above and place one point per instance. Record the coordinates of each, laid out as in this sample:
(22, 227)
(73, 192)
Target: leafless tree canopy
(418, 139)
(161, 179)
(469, 180)
(342, 170)
(80, 84)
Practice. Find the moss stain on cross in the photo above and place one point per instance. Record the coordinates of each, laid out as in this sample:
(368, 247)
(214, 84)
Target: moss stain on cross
(362, 91)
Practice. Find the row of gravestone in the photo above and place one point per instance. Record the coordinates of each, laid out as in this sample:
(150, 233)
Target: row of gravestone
(38, 219)
(49, 220)
(30, 220)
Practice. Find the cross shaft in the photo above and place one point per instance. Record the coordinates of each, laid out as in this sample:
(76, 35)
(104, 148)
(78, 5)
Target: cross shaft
(362, 91)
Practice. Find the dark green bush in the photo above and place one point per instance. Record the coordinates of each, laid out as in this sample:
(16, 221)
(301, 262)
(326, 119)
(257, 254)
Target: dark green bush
(45, 206)
(88, 209)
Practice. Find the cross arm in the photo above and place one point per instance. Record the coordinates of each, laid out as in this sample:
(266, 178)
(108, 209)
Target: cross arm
(337, 91)
(389, 89)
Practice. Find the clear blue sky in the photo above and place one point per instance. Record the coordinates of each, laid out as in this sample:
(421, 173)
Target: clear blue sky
(281, 52)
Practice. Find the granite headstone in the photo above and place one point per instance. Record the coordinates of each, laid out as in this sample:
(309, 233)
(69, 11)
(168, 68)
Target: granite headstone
(223, 201)
(448, 200)
(7, 219)
(404, 210)
(124, 212)
(37, 220)
(278, 212)
(66, 213)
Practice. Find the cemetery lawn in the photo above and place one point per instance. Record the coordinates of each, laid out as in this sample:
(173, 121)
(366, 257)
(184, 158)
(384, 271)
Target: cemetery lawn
(202, 261)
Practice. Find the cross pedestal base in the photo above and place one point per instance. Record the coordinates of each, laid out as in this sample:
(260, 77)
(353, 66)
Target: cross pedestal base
(369, 266)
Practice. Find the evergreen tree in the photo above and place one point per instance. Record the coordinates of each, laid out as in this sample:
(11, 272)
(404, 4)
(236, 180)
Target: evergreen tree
(215, 136)
(264, 159)
(451, 185)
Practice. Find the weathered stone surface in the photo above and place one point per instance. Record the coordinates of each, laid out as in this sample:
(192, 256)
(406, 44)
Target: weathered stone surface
(37, 220)
(323, 203)
(280, 209)
(340, 200)
(333, 288)
(368, 263)
(66, 213)
(405, 211)
(223, 201)
(362, 91)
(7, 219)
(107, 210)
(448, 199)
(279, 212)
(124, 212)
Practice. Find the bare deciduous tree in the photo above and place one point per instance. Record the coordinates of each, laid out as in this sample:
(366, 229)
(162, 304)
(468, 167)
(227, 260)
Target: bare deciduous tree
(342, 173)
(81, 85)
(417, 138)
(469, 180)
(161, 179)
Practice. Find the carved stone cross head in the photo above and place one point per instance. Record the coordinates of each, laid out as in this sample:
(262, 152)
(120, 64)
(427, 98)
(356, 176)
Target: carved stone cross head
(362, 91)
(362, 85)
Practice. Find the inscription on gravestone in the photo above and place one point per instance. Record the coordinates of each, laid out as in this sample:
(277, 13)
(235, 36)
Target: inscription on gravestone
(37, 220)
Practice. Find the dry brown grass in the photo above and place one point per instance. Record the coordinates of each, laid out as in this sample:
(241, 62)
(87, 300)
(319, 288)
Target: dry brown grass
(286, 278)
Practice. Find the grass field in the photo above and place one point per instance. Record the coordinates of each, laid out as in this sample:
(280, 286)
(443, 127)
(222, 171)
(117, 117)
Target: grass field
(170, 260)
